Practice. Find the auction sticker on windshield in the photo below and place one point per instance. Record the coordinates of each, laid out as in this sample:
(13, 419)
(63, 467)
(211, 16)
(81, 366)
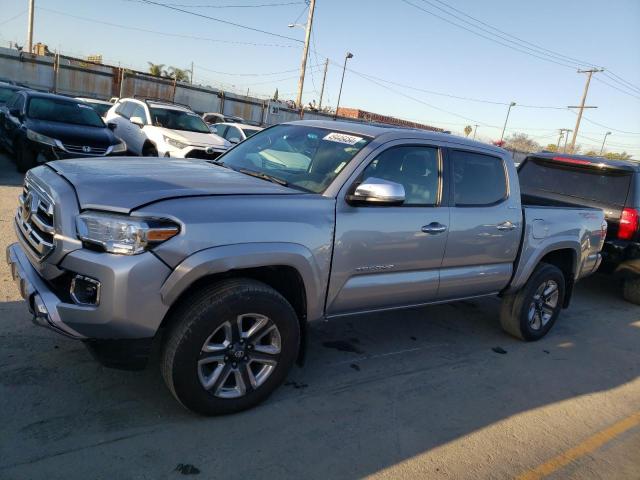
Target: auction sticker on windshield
(342, 138)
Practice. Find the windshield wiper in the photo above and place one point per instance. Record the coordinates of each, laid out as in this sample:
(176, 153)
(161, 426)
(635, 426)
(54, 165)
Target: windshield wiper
(218, 163)
(264, 176)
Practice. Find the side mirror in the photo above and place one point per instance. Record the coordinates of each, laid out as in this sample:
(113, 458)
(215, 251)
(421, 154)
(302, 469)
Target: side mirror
(112, 126)
(137, 121)
(14, 112)
(213, 129)
(234, 140)
(376, 191)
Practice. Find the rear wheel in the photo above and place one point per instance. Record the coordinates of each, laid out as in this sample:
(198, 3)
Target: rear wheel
(230, 345)
(530, 313)
(631, 290)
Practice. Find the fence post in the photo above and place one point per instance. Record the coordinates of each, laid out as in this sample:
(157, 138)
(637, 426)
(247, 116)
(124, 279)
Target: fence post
(56, 70)
(221, 95)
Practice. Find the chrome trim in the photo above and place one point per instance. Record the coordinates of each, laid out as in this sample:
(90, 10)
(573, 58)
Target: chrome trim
(28, 216)
(79, 150)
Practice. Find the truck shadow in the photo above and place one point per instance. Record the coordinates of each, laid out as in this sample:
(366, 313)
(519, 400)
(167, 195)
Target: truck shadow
(376, 390)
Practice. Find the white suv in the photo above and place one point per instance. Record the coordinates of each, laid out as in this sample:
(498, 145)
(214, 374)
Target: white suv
(161, 128)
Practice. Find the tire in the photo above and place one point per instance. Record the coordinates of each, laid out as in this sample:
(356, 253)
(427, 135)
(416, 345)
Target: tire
(631, 290)
(527, 314)
(25, 158)
(149, 151)
(206, 359)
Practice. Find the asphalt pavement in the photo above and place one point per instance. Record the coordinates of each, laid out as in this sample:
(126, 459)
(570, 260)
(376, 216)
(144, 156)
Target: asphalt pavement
(437, 392)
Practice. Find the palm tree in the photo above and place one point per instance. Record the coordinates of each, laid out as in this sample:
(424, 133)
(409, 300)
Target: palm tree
(178, 74)
(467, 130)
(155, 69)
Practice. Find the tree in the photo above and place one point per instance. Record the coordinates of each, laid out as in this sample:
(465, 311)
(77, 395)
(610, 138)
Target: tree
(522, 143)
(617, 156)
(179, 74)
(552, 147)
(467, 130)
(155, 69)
(275, 95)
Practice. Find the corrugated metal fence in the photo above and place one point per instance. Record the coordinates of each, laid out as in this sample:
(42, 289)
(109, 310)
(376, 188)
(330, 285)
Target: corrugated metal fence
(75, 77)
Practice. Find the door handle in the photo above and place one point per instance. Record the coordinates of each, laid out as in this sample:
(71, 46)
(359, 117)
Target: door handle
(434, 228)
(506, 226)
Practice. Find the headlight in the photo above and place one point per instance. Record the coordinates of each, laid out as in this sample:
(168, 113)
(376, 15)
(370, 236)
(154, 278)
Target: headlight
(119, 148)
(38, 137)
(175, 143)
(123, 234)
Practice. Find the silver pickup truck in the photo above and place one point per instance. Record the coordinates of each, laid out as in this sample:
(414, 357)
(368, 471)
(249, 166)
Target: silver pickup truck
(224, 262)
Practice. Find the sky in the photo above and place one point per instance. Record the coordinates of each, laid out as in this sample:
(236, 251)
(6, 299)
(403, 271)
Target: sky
(419, 59)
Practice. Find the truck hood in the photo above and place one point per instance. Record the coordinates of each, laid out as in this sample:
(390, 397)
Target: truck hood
(122, 184)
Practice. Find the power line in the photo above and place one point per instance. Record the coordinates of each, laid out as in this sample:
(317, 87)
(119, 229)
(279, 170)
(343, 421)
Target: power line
(609, 73)
(219, 20)
(608, 128)
(167, 34)
(13, 18)
(618, 89)
(247, 74)
(517, 44)
(226, 6)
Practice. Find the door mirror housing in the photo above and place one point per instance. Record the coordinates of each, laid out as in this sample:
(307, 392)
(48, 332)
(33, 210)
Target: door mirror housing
(112, 126)
(234, 140)
(14, 112)
(137, 121)
(377, 191)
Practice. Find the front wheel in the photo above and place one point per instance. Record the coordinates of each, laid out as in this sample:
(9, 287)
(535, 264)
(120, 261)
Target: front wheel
(530, 313)
(230, 345)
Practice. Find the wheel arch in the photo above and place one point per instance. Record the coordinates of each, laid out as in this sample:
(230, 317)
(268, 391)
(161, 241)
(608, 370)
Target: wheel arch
(290, 269)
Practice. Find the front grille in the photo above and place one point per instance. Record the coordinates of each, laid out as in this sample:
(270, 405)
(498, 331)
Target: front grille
(34, 218)
(203, 155)
(84, 149)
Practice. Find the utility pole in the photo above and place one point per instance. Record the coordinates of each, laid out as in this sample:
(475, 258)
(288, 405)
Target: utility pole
(324, 78)
(475, 129)
(604, 140)
(305, 54)
(191, 73)
(566, 137)
(559, 139)
(581, 108)
(30, 27)
(512, 104)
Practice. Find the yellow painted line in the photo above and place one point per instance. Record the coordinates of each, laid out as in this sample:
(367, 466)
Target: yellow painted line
(587, 446)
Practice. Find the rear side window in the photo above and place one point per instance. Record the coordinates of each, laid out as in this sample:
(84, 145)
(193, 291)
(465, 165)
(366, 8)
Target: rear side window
(138, 111)
(605, 187)
(478, 180)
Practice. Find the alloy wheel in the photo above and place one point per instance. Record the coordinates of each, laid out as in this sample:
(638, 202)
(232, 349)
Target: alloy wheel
(239, 356)
(543, 305)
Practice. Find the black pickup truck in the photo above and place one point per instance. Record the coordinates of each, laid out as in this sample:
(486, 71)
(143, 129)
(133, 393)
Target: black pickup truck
(611, 185)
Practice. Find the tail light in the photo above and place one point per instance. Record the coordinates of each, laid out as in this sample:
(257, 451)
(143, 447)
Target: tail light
(628, 224)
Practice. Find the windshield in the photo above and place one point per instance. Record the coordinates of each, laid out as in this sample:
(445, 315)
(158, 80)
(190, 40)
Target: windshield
(308, 158)
(250, 131)
(178, 120)
(6, 94)
(101, 108)
(58, 110)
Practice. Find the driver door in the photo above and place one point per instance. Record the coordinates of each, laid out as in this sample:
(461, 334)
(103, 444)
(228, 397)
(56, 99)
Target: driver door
(390, 256)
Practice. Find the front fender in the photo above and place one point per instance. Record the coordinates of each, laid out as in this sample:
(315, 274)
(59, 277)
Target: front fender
(250, 255)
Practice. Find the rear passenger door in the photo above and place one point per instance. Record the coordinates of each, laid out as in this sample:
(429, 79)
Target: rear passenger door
(485, 226)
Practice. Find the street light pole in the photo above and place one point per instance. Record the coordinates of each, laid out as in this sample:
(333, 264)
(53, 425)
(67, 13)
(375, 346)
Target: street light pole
(344, 68)
(30, 27)
(604, 140)
(475, 129)
(305, 54)
(512, 104)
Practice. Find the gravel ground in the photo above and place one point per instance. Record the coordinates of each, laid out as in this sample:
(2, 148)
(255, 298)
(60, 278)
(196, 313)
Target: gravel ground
(415, 394)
